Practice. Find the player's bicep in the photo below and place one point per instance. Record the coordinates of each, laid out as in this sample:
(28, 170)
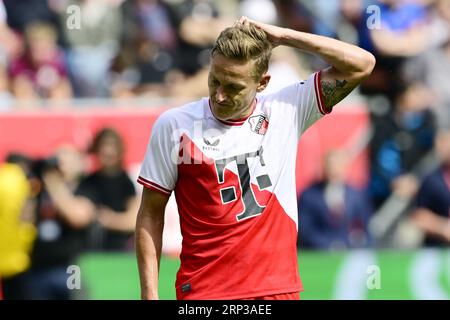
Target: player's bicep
(153, 204)
(335, 86)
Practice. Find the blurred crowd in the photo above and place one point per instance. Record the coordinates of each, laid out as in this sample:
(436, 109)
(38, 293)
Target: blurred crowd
(57, 208)
(54, 208)
(55, 50)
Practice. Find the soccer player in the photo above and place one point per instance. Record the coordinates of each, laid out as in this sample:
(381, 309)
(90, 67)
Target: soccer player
(230, 159)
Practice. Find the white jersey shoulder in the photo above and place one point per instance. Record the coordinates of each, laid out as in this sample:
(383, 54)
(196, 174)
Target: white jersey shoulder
(291, 110)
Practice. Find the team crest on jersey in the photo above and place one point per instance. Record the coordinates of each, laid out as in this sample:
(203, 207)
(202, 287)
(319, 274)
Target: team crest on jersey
(259, 124)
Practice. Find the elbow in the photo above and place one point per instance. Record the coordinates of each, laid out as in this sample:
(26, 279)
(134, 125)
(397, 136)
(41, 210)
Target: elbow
(82, 216)
(371, 62)
(363, 68)
(368, 64)
(81, 222)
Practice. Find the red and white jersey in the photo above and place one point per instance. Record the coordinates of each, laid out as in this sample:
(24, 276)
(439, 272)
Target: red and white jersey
(234, 184)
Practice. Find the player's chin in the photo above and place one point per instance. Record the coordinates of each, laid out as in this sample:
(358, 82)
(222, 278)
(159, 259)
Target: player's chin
(223, 112)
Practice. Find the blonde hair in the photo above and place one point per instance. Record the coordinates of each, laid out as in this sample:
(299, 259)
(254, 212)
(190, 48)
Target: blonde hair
(245, 42)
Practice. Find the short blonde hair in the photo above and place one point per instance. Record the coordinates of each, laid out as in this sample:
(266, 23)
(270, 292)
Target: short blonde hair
(245, 42)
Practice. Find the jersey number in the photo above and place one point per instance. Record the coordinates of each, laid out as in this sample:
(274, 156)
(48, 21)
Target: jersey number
(228, 194)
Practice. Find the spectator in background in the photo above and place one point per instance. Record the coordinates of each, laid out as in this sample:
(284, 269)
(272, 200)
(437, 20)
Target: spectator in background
(40, 72)
(432, 214)
(400, 141)
(25, 12)
(402, 33)
(433, 66)
(92, 48)
(111, 195)
(198, 23)
(8, 47)
(351, 16)
(60, 220)
(167, 47)
(332, 214)
(149, 43)
(293, 14)
(325, 15)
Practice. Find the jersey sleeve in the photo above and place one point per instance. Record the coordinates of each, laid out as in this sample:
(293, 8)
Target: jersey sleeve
(159, 169)
(306, 102)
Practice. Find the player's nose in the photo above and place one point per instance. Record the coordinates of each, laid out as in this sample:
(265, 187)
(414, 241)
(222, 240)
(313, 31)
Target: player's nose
(220, 95)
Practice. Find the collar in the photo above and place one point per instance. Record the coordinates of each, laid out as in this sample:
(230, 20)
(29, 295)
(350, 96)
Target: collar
(234, 122)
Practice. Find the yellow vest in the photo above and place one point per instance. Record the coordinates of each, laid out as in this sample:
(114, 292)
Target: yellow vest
(16, 236)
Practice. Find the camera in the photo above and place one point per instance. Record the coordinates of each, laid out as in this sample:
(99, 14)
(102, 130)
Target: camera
(40, 166)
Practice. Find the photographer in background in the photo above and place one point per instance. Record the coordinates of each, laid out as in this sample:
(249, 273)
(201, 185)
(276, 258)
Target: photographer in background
(60, 220)
(110, 194)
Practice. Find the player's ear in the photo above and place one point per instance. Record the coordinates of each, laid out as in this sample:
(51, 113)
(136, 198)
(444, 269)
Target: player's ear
(263, 82)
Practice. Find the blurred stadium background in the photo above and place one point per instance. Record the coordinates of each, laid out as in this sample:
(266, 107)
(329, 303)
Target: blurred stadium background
(373, 178)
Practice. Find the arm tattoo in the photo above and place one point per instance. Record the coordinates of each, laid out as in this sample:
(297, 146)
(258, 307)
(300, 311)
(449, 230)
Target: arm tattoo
(333, 93)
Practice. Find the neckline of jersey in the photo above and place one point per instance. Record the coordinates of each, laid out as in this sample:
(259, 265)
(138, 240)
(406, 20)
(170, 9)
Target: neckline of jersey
(234, 122)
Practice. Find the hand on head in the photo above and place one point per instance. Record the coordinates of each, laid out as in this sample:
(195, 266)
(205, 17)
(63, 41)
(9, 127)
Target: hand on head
(274, 34)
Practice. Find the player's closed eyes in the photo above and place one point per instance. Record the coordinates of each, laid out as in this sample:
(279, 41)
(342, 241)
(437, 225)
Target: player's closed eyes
(233, 88)
(229, 88)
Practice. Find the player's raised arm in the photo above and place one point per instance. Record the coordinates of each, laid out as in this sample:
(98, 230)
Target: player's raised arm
(149, 230)
(349, 64)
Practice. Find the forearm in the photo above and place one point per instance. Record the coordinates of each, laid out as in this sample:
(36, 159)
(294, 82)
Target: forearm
(78, 212)
(344, 57)
(405, 44)
(148, 251)
(432, 224)
(120, 221)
